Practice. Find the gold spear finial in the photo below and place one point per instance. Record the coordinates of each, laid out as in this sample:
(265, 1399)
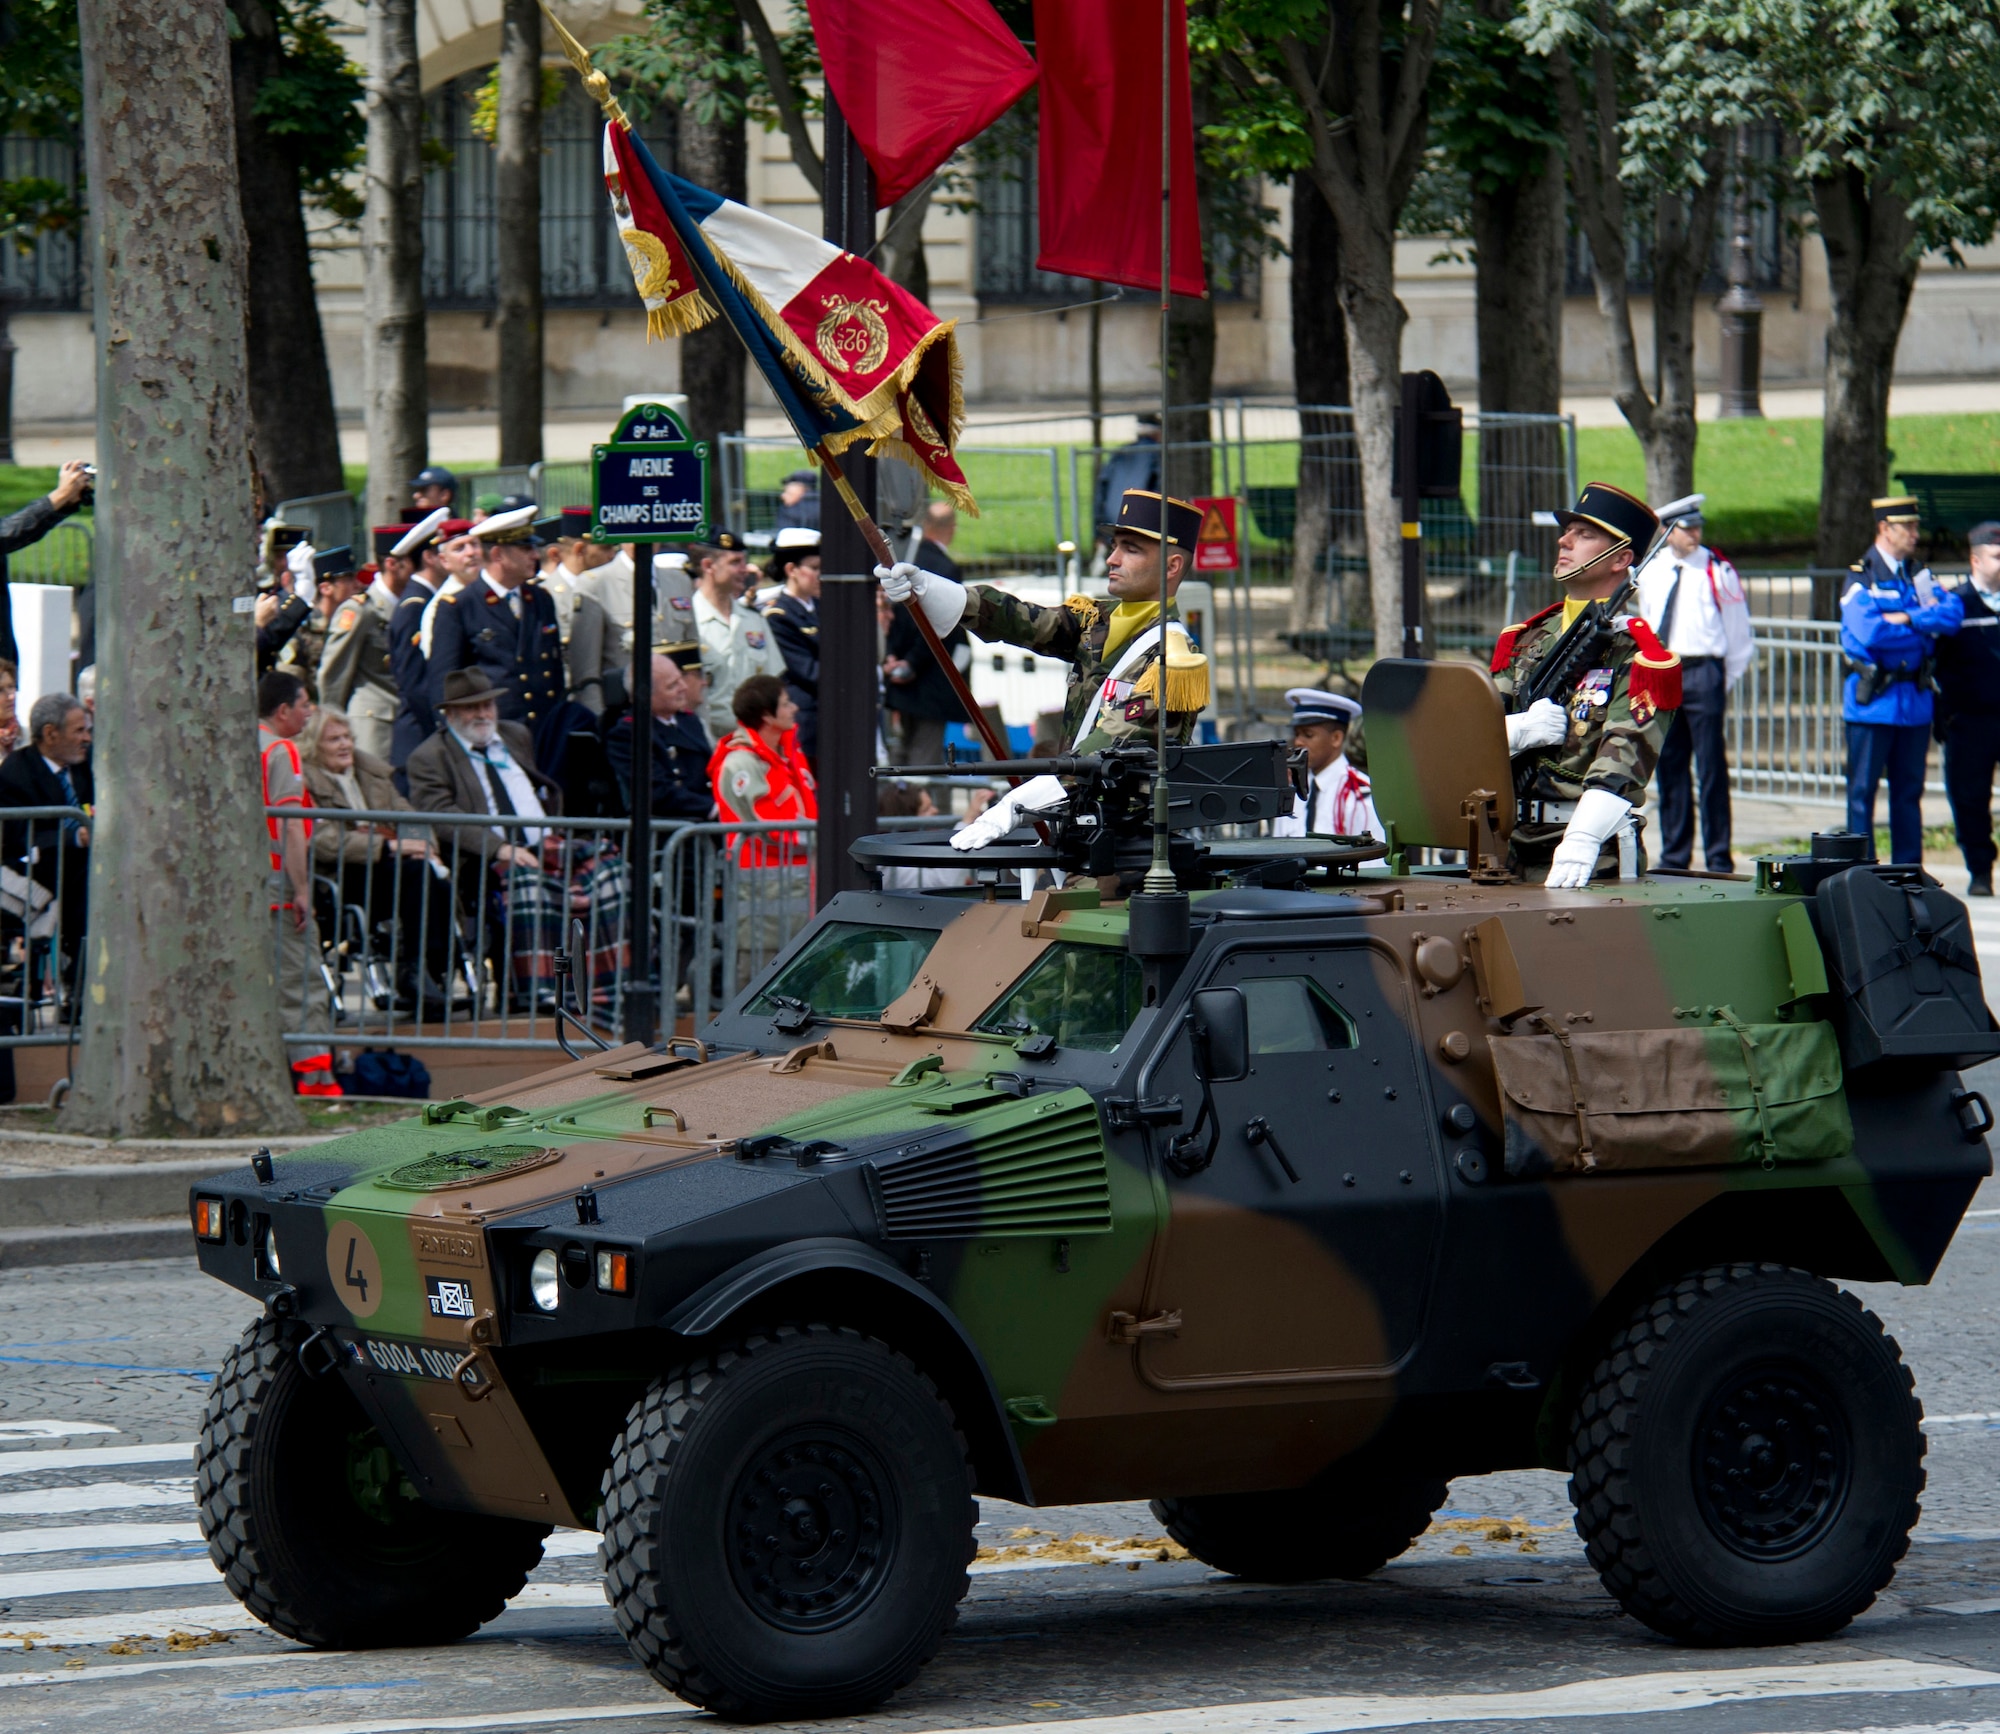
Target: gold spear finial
(593, 81)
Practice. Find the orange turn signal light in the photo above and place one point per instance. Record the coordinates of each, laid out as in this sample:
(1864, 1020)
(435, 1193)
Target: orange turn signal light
(614, 1272)
(208, 1219)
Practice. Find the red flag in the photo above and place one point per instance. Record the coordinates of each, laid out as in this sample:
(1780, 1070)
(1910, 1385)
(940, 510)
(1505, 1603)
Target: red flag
(915, 79)
(1100, 165)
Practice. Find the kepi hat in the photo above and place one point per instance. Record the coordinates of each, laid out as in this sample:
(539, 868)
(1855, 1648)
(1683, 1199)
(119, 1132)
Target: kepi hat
(385, 537)
(682, 656)
(1615, 512)
(421, 534)
(1139, 512)
(1896, 509)
(333, 563)
(1311, 705)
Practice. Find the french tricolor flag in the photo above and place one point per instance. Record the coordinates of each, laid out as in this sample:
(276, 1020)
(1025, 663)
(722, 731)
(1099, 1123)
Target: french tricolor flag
(850, 356)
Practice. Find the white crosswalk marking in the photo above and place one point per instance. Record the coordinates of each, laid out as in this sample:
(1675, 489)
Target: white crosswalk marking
(21, 1630)
(83, 1537)
(50, 1429)
(98, 1496)
(91, 1580)
(93, 1457)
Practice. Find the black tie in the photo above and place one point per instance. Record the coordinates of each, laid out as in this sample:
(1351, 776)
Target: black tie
(1673, 601)
(502, 801)
(1313, 812)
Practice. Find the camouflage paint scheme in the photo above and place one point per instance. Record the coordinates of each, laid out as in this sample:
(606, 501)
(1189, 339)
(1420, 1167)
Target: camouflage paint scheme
(1103, 1327)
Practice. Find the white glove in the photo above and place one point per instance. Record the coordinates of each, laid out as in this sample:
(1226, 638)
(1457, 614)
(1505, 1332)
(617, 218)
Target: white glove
(1036, 795)
(1542, 724)
(1597, 815)
(299, 562)
(941, 599)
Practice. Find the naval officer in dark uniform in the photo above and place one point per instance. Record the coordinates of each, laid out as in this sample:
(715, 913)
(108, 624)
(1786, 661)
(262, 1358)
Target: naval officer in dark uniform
(503, 624)
(1968, 708)
(680, 762)
(415, 722)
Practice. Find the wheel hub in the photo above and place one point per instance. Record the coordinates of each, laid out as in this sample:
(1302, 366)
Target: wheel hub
(1772, 1462)
(811, 1530)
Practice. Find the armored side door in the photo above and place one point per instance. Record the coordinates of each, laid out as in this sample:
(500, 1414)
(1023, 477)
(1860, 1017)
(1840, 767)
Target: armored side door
(1303, 1251)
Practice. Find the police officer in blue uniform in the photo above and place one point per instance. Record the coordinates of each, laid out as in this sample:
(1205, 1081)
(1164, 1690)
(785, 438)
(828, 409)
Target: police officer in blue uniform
(1890, 622)
(1968, 708)
(503, 623)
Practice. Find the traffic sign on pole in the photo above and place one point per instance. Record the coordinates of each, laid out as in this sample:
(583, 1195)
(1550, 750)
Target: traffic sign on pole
(650, 483)
(1215, 543)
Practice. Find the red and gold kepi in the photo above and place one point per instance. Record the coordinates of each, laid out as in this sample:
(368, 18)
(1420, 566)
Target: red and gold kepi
(1615, 511)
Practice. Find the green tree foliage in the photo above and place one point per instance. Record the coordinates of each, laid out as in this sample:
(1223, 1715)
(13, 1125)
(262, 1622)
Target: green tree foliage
(314, 106)
(41, 96)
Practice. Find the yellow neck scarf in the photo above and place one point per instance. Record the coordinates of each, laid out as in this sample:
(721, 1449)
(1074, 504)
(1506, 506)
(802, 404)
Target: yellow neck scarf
(1572, 607)
(1127, 619)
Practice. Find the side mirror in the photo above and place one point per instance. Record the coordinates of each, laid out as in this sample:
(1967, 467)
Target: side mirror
(1221, 1035)
(578, 956)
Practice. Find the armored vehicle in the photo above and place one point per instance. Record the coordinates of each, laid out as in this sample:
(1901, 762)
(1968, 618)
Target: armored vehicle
(1352, 1177)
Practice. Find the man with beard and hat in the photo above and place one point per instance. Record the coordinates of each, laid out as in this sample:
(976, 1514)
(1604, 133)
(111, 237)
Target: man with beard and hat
(1590, 749)
(1113, 646)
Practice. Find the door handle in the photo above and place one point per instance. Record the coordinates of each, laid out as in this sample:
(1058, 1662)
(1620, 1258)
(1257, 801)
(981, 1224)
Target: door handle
(1258, 1131)
(1130, 1328)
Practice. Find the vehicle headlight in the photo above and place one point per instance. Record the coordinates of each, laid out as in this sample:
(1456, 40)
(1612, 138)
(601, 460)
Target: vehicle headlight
(271, 1252)
(545, 1279)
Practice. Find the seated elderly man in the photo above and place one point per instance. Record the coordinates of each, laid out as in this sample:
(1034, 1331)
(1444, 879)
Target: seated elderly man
(476, 763)
(384, 870)
(51, 770)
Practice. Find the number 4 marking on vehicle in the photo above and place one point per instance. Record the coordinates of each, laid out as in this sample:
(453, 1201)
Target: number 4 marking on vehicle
(355, 1278)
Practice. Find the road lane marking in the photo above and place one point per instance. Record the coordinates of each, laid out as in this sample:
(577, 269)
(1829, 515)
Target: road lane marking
(1954, 1420)
(98, 1496)
(82, 1537)
(94, 1580)
(50, 1429)
(1627, 1695)
(105, 1673)
(23, 1629)
(662, 1706)
(92, 1457)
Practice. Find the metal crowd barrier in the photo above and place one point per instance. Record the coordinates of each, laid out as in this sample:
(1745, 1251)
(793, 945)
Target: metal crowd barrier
(1783, 727)
(42, 913)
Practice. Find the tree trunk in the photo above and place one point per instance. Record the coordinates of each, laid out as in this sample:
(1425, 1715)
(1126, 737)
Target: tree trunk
(1190, 429)
(392, 263)
(1518, 232)
(1328, 510)
(295, 438)
(518, 173)
(180, 1027)
(1375, 355)
(713, 154)
(1683, 244)
(1871, 268)
(902, 248)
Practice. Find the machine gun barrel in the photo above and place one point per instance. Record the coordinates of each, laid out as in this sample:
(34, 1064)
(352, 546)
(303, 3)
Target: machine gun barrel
(1071, 765)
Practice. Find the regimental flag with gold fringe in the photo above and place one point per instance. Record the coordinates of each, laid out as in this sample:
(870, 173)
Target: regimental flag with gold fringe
(849, 355)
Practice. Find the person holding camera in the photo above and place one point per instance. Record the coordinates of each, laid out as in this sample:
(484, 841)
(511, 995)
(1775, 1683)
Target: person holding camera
(29, 525)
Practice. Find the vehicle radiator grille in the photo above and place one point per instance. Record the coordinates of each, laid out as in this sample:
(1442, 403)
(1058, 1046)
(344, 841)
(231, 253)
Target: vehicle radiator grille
(1033, 1169)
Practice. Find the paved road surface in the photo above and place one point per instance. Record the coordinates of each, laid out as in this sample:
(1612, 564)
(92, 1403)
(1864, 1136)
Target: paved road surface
(1494, 1618)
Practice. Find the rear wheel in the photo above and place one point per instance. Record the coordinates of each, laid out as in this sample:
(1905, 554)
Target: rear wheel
(787, 1524)
(1746, 1459)
(1352, 1521)
(314, 1526)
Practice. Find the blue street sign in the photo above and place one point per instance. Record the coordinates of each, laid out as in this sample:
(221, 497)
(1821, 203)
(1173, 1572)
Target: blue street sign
(651, 492)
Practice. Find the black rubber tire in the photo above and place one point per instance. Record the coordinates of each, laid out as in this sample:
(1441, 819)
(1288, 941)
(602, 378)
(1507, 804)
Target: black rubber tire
(1747, 1458)
(276, 1469)
(725, 1617)
(1350, 1522)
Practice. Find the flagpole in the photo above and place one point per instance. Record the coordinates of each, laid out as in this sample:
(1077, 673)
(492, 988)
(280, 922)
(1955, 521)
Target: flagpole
(878, 545)
(1160, 880)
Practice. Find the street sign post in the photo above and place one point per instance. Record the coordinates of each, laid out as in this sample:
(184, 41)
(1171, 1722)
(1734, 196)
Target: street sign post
(1215, 543)
(650, 483)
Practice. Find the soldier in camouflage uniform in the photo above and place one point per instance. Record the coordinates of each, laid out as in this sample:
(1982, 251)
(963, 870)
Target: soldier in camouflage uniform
(1593, 749)
(1112, 647)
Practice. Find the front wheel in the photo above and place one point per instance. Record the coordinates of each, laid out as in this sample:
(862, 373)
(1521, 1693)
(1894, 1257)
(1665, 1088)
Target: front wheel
(314, 1526)
(1746, 1459)
(787, 1524)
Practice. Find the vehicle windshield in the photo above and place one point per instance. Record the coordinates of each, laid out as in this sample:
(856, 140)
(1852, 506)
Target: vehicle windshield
(850, 970)
(1086, 996)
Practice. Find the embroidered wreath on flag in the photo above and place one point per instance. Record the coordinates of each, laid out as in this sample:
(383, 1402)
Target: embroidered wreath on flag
(833, 336)
(652, 268)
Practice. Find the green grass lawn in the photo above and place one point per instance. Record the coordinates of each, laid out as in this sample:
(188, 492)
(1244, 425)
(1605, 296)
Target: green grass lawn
(1761, 478)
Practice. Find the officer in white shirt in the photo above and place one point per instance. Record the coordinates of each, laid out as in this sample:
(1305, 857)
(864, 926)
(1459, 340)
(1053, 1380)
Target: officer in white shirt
(1693, 600)
(1341, 804)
